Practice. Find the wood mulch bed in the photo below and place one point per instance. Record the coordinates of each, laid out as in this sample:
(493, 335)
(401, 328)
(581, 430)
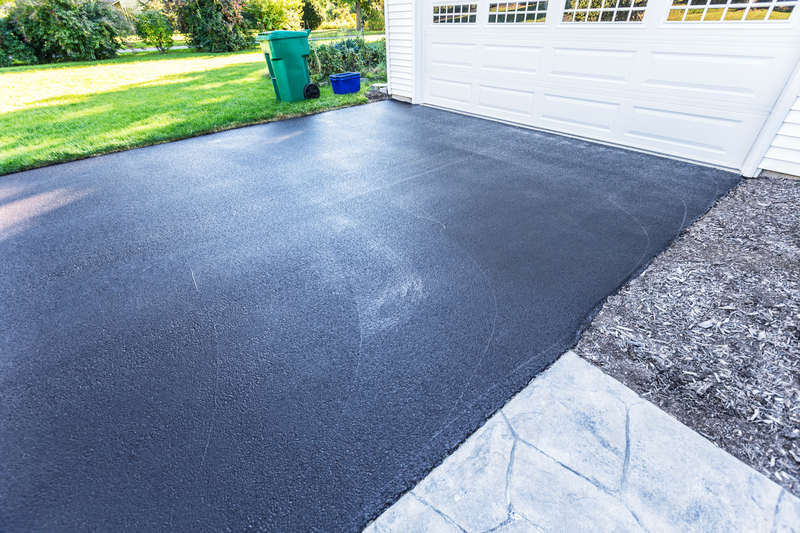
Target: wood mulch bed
(710, 331)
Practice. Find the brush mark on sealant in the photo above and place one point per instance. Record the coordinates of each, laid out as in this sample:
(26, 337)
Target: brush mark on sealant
(359, 359)
(211, 423)
(421, 217)
(379, 311)
(646, 234)
(405, 291)
(387, 186)
(491, 335)
(677, 194)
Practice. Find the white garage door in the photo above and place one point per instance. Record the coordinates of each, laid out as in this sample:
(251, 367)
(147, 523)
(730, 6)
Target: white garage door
(691, 78)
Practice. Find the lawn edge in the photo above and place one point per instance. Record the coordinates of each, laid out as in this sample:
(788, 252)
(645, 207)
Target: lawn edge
(227, 127)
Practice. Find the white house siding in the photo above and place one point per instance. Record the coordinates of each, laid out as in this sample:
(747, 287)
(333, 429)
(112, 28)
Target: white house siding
(400, 47)
(784, 152)
(695, 90)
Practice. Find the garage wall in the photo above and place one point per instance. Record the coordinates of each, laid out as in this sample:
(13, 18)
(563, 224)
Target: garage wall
(400, 46)
(696, 90)
(783, 154)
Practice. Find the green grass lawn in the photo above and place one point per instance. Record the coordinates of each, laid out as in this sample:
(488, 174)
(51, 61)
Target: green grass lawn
(57, 113)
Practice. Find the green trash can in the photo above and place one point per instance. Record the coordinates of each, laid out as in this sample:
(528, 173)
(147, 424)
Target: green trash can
(286, 53)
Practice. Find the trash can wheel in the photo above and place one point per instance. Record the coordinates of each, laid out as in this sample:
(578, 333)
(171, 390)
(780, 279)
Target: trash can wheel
(311, 91)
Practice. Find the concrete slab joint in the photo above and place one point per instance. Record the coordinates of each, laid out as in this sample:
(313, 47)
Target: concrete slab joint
(578, 451)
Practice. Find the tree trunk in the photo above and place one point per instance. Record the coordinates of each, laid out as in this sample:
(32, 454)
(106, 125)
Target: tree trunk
(358, 15)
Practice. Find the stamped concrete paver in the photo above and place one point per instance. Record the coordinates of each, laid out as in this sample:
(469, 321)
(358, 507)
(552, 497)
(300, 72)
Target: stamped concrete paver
(471, 489)
(550, 496)
(589, 413)
(411, 515)
(578, 451)
(678, 481)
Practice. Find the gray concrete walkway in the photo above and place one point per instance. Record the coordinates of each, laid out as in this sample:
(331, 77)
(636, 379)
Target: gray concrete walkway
(578, 451)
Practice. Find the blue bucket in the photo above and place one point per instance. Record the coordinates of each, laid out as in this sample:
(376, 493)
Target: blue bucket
(346, 82)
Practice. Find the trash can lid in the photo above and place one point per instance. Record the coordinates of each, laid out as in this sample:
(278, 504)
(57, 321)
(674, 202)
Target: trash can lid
(281, 34)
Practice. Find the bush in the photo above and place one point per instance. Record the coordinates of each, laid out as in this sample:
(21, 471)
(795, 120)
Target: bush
(338, 18)
(212, 25)
(351, 55)
(313, 14)
(155, 29)
(269, 15)
(372, 13)
(13, 51)
(69, 30)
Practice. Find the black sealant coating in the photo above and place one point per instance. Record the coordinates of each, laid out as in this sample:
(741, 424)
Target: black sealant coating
(284, 327)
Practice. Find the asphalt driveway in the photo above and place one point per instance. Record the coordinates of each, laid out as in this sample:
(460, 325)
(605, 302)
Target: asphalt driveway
(284, 327)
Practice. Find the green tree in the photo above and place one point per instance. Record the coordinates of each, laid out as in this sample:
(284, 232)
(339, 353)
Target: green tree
(269, 15)
(13, 51)
(212, 25)
(313, 14)
(69, 30)
(369, 13)
(373, 15)
(155, 29)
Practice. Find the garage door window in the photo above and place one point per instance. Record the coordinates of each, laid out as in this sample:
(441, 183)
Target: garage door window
(730, 10)
(604, 10)
(517, 12)
(455, 14)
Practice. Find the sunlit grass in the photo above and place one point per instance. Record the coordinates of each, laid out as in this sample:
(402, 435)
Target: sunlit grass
(58, 113)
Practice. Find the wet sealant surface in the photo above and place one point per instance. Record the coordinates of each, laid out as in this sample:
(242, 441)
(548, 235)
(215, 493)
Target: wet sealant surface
(283, 327)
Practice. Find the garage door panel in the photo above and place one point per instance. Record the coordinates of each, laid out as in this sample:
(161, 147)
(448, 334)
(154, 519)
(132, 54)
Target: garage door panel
(593, 65)
(506, 101)
(523, 60)
(734, 75)
(443, 92)
(693, 131)
(593, 114)
(457, 55)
